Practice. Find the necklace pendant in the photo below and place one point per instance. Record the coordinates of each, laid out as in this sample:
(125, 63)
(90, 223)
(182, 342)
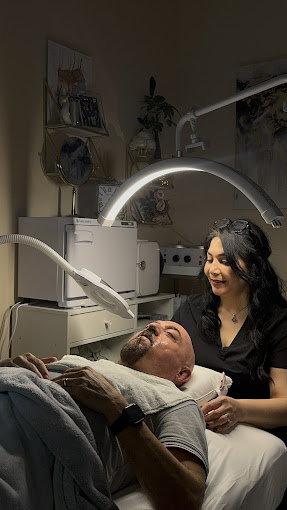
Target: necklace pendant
(234, 320)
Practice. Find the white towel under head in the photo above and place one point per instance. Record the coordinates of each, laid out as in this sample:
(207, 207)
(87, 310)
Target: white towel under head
(151, 393)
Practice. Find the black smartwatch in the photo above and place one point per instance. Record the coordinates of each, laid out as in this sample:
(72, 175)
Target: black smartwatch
(132, 415)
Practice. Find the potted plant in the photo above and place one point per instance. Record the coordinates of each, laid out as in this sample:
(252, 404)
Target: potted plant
(157, 113)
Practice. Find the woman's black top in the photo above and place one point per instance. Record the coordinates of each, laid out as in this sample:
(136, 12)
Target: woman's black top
(235, 360)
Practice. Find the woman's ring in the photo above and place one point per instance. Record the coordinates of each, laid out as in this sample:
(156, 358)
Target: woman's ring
(65, 382)
(228, 420)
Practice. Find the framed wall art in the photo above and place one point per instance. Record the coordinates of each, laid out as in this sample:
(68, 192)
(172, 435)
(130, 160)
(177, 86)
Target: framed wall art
(69, 90)
(151, 205)
(261, 133)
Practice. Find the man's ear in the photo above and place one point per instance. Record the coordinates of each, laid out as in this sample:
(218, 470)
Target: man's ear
(182, 377)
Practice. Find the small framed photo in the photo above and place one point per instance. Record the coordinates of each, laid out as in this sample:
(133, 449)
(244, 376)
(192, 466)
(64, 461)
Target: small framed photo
(87, 111)
(92, 114)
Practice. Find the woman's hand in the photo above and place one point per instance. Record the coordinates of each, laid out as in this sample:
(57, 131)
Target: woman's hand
(221, 413)
(30, 362)
(91, 389)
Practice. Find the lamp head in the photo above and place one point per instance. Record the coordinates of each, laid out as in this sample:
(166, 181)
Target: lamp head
(101, 293)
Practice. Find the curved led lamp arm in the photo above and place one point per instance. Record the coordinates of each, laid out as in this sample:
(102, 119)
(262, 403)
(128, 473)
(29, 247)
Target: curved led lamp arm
(265, 205)
(95, 288)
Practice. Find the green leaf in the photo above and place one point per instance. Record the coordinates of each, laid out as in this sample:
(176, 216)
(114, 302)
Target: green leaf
(159, 99)
(158, 112)
(148, 99)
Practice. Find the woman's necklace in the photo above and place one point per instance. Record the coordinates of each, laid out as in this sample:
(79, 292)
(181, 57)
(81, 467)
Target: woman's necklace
(234, 320)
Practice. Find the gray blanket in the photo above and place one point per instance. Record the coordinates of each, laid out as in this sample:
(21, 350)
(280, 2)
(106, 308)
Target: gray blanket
(48, 454)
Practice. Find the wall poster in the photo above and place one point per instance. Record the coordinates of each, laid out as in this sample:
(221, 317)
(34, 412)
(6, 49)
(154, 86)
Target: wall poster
(261, 133)
(69, 80)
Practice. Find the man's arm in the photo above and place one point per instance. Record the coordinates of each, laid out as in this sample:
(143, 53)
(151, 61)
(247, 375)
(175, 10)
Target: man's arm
(173, 479)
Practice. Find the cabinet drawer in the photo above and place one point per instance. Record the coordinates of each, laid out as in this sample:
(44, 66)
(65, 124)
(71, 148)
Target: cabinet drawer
(99, 323)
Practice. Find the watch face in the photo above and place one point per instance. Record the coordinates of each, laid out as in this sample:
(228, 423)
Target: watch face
(134, 413)
(131, 415)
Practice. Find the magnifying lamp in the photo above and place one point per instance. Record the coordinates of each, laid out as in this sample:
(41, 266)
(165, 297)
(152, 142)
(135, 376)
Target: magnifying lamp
(93, 286)
(261, 200)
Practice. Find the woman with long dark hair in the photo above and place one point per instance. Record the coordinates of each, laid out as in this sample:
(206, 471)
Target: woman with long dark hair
(239, 326)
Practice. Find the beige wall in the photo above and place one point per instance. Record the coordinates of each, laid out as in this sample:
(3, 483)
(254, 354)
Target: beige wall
(216, 38)
(194, 52)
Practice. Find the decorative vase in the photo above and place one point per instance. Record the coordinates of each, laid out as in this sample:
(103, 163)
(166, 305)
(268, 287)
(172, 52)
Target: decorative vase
(140, 160)
(65, 112)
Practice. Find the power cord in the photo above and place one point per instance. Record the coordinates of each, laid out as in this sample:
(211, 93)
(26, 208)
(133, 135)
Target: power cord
(184, 238)
(3, 331)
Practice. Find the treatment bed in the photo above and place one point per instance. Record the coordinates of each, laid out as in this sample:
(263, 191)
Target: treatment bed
(248, 471)
(247, 466)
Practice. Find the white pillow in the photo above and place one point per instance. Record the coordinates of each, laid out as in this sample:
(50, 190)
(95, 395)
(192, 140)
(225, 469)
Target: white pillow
(206, 384)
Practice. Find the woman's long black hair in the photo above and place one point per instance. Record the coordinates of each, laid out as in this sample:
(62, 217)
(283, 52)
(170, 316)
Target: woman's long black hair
(242, 239)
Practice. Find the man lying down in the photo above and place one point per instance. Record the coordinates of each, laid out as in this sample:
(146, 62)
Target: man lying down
(126, 421)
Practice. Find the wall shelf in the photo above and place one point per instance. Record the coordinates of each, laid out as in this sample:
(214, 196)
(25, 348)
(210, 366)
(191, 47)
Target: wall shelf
(56, 131)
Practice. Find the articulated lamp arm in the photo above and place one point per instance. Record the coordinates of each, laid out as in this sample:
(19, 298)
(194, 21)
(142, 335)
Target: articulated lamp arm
(95, 288)
(265, 205)
(195, 113)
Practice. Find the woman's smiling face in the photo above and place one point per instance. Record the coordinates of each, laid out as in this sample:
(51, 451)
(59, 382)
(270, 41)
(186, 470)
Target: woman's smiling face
(221, 277)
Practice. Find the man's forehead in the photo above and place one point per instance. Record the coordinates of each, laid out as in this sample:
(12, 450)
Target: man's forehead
(165, 324)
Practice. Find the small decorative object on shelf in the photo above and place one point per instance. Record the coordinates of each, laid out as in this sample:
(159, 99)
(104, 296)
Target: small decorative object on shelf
(143, 142)
(139, 161)
(141, 149)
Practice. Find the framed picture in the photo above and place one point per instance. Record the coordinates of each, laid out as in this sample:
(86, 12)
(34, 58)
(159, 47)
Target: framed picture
(69, 73)
(151, 206)
(70, 100)
(261, 133)
(91, 112)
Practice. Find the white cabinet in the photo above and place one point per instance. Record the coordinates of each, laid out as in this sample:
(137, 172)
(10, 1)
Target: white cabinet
(52, 331)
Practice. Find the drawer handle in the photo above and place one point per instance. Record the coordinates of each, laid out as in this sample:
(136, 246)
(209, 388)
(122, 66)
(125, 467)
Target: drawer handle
(107, 323)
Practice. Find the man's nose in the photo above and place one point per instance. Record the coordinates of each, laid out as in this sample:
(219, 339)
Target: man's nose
(154, 327)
